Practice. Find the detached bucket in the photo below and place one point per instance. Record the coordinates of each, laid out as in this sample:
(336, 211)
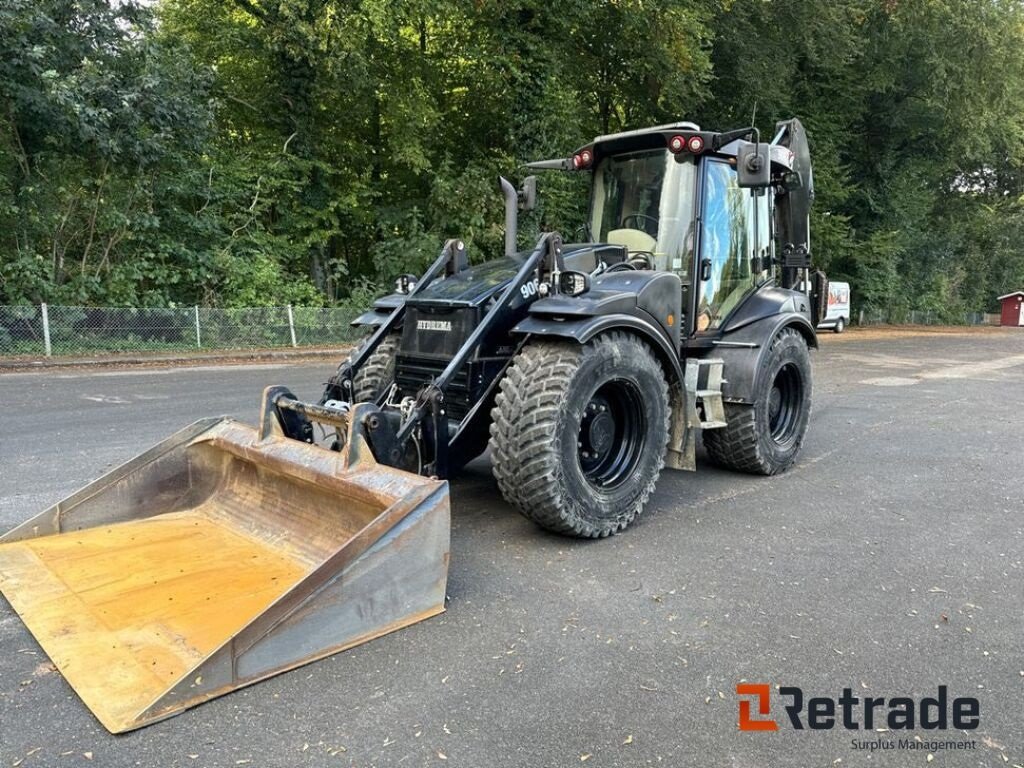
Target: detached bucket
(219, 558)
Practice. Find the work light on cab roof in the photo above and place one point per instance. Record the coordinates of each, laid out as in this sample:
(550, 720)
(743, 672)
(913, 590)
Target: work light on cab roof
(582, 159)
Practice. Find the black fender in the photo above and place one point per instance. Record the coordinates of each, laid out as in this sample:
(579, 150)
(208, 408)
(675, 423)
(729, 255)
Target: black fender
(769, 301)
(583, 329)
(643, 302)
(382, 309)
(657, 296)
(371, 318)
(743, 351)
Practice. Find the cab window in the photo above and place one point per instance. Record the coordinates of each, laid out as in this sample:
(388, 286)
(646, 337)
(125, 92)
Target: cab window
(730, 236)
(645, 201)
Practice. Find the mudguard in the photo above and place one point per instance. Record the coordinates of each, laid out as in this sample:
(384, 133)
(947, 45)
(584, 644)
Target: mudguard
(382, 309)
(767, 302)
(371, 318)
(643, 302)
(657, 294)
(582, 328)
(743, 351)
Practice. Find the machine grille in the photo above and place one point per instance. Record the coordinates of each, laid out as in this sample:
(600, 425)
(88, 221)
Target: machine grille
(414, 373)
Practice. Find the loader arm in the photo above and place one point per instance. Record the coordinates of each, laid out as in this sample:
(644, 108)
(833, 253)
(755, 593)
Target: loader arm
(422, 420)
(339, 387)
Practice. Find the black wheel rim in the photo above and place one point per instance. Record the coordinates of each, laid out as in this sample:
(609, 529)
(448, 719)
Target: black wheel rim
(611, 436)
(785, 403)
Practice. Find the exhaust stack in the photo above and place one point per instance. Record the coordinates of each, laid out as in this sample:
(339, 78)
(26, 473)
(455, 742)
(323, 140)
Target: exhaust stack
(511, 215)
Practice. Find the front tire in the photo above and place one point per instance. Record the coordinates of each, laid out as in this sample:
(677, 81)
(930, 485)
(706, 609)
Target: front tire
(840, 325)
(378, 371)
(579, 433)
(765, 438)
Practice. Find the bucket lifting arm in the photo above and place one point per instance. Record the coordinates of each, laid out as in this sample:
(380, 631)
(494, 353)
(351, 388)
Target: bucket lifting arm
(451, 260)
(388, 432)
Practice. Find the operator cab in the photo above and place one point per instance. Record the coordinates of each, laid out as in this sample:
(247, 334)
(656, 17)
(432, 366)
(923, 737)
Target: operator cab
(671, 196)
(647, 199)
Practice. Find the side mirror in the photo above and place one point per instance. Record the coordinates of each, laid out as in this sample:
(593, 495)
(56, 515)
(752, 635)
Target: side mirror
(528, 194)
(753, 165)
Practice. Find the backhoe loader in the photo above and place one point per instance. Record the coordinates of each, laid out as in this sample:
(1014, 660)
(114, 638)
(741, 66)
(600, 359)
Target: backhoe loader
(229, 553)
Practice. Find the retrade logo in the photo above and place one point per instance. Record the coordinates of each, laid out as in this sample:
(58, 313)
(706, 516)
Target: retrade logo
(854, 713)
(762, 692)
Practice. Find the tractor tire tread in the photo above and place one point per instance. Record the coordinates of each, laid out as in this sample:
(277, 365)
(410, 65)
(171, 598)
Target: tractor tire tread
(523, 451)
(738, 445)
(378, 371)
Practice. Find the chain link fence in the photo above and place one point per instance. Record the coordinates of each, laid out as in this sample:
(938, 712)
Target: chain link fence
(44, 331)
(923, 317)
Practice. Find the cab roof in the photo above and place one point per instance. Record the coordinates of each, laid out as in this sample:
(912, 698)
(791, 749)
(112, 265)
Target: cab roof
(654, 137)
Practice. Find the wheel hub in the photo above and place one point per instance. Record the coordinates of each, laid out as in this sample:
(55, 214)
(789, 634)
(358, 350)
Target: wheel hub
(601, 432)
(611, 434)
(785, 404)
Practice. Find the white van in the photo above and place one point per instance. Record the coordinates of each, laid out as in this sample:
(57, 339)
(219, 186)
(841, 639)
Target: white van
(838, 315)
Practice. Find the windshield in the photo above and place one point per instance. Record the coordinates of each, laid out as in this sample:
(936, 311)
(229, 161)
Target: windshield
(644, 201)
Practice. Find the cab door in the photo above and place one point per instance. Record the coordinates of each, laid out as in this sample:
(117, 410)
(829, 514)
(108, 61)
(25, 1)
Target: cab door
(734, 244)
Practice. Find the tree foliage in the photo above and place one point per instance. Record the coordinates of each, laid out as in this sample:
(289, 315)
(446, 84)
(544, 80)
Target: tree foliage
(267, 151)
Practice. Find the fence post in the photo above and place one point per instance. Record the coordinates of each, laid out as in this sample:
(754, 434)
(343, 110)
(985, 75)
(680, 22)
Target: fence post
(46, 330)
(199, 338)
(291, 325)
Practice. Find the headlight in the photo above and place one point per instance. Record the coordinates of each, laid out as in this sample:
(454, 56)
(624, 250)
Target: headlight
(405, 284)
(573, 283)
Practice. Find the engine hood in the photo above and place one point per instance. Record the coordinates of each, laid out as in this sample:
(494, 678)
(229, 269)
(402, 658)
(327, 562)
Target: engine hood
(471, 287)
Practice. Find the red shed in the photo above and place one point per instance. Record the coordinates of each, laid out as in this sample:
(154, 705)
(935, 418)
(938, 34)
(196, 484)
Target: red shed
(1013, 309)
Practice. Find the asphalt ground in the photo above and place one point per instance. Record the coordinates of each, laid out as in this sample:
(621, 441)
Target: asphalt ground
(890, 561)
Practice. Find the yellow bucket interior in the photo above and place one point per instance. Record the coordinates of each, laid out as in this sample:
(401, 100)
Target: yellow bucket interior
(126, 610)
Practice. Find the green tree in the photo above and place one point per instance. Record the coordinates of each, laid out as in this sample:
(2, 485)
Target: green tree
(264, 151)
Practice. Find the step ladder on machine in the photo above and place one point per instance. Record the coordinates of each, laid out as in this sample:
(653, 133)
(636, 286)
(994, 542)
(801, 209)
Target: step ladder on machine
(707, 410)
(702, 408)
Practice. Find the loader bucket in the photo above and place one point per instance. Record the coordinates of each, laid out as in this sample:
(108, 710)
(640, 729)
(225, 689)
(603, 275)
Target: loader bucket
(219, 557)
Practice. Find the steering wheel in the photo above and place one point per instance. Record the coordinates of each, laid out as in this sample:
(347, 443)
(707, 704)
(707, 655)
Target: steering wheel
(637, 260)
(640, 218)
(622, 266)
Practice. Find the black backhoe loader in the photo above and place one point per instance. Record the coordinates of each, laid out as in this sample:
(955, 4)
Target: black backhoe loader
(226, 554)
(590, 365)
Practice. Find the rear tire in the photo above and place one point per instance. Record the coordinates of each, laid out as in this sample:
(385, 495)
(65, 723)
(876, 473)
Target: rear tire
(840, 325)
(578, 433)
(765, 438)
(378, 371)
